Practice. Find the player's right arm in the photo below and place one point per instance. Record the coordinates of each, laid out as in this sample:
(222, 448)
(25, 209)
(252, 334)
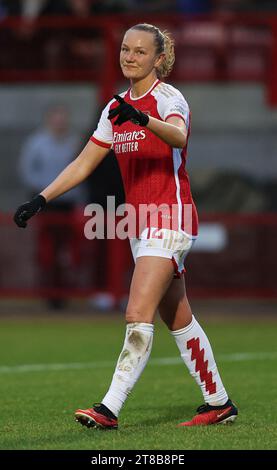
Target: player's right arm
(71, 176)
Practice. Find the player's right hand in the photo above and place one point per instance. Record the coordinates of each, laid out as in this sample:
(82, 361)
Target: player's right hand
(28, 209)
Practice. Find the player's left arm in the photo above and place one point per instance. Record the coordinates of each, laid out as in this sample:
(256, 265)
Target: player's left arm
(173, 131)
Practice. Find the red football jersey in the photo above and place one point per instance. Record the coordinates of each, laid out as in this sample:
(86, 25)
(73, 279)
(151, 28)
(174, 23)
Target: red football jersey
(152, 171)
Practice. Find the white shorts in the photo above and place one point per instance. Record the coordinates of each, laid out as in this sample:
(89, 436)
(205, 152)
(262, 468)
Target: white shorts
(164, 243)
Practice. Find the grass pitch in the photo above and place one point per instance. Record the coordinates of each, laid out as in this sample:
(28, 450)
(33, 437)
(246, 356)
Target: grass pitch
(50, 367)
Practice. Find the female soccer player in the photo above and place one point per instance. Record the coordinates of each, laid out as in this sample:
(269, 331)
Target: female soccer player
(148, 127)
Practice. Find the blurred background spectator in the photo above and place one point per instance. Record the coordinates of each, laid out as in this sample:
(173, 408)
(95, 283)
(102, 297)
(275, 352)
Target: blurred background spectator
(45, 153)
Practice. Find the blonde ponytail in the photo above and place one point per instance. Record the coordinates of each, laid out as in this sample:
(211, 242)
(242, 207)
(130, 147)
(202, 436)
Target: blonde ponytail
(167, 65)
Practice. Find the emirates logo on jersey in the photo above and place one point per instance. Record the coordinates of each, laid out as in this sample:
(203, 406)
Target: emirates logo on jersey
(128, 141)
(128, 136)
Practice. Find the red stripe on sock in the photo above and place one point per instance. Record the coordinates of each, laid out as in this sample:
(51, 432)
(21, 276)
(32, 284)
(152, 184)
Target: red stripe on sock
(201, 366)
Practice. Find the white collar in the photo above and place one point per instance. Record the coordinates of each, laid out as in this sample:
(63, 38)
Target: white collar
(148, 91)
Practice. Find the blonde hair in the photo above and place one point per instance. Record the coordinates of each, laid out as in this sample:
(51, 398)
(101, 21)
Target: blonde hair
(164, 45)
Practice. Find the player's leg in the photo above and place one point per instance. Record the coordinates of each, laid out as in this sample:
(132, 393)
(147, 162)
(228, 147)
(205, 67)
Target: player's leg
(174, 307)
(151, 279)
(197, 354)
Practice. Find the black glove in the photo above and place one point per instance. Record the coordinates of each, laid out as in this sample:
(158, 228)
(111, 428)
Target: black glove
(28, 209)
(127, 112)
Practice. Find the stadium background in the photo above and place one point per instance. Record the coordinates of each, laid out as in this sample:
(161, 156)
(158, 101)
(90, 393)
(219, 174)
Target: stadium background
(226, 67)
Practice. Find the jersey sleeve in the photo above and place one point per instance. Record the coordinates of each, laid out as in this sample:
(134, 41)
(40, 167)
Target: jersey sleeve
(174, 105)
(103, 135)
